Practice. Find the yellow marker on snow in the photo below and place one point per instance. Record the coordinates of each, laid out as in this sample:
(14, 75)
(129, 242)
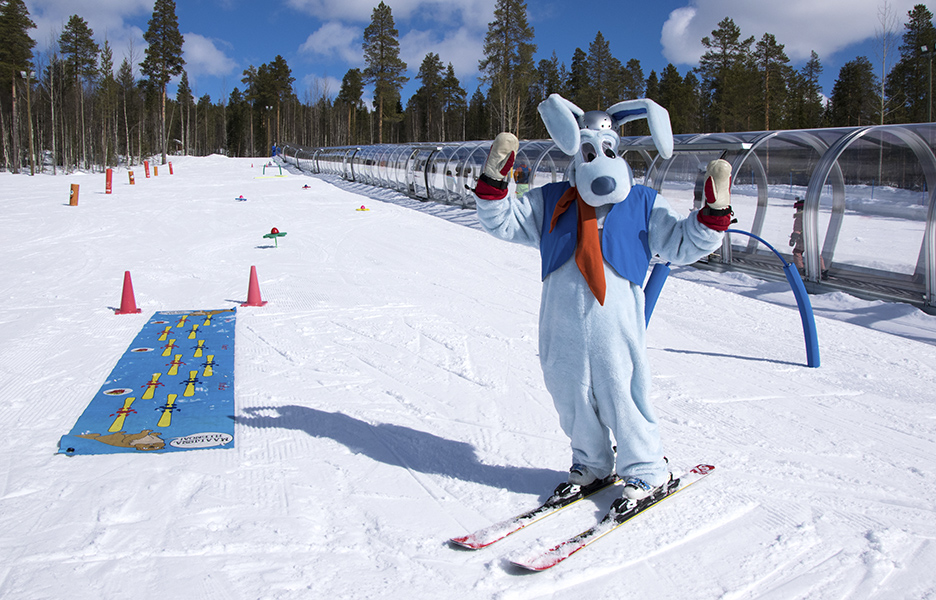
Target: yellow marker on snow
(174, 366)
(209, 366)
(122, 413)
(166, 419)
(190, 387)
(151, 387)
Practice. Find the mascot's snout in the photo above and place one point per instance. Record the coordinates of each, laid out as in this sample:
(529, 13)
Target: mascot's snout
(603, 186)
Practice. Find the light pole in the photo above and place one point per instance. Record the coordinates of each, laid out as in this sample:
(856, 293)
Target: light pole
(928, 52)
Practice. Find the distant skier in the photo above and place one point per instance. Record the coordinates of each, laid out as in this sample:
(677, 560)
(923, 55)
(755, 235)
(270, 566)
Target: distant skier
(798, 243)
(592, 329)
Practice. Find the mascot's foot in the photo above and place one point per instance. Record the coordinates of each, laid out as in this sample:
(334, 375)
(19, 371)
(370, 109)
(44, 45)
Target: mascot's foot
(581, 475)
(638, 489)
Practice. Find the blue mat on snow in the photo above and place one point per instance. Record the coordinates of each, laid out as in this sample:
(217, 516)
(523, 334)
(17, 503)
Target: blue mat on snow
(172, 390)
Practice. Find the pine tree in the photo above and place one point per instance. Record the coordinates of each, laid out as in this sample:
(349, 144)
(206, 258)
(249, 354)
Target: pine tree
(130, 102)
(185, 100)
(677, 95)
(633, 86)
(384, 68)
(273, 89)
(80, 51)
(603, 75)
(428, 97)
(477, 119)
(725, 70)
(251, 98)
(692, 85)
(453, 106)
(806, 103)
(548, 78)
(508, 61)
(15, 56)
(52, 78)
(632, 80)
(909, 82)
(855, 97)
(577, 85)
(107, 97)
(238, 118)
(653, 86)
(349, 97)
(774, 70)
(163, 56)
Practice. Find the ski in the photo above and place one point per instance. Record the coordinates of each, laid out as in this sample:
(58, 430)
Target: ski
(565, 495)
(621, 511)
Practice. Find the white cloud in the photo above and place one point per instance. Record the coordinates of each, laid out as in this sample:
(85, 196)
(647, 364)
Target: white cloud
(802, 26)
(326, 10)
(461, 47)
(107, 18)
(679, 45)
(335, 39)
(314, 87)
(202, 57)
(474, 13)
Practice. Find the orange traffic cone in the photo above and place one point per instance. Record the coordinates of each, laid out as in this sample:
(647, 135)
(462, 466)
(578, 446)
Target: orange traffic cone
(127, 302)
(253, 291)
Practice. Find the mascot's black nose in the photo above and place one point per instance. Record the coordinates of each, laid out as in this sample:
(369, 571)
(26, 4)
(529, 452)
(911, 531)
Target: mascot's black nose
(603, 186)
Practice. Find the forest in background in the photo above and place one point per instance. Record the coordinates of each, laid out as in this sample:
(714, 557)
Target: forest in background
(73, 108)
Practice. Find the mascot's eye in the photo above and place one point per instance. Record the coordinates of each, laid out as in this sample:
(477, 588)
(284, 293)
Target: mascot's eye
(608, 150)
(588, 152)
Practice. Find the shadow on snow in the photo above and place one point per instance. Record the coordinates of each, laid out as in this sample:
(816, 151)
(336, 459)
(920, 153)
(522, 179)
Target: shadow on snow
(404, 447)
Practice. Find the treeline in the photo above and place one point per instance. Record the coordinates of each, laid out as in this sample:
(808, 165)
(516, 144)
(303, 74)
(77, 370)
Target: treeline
(72, 107)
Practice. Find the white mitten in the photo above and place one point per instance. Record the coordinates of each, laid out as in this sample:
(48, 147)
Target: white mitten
(492, 185)
(716, 214)
(718, 184)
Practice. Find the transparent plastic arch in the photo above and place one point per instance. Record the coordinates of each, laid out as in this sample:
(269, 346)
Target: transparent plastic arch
(868, 218)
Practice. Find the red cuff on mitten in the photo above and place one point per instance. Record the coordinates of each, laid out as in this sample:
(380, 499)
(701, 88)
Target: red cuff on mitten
(719, 220)
(489, 189)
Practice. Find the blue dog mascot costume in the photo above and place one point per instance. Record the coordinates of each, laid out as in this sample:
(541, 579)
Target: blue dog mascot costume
(596, 234)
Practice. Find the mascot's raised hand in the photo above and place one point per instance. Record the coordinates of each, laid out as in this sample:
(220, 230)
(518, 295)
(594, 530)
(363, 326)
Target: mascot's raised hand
(492, 185)
(716, 214)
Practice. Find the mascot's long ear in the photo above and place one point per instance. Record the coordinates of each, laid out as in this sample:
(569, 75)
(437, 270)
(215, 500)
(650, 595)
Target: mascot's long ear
(661, 130)
(561, 119)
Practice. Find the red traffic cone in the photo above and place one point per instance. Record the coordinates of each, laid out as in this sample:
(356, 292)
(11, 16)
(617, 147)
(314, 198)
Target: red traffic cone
(127, 302)
(253, 291)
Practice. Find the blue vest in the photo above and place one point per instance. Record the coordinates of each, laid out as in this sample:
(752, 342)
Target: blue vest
(624, 240)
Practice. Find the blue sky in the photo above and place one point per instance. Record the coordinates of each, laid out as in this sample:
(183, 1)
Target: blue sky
(321, 39)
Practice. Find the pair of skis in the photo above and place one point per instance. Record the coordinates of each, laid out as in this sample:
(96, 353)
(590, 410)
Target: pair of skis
(622, 510)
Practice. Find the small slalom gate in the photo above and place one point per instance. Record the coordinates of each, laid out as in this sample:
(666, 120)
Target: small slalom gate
(172, 390)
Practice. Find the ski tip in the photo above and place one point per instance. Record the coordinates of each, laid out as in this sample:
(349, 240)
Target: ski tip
(702, 469)
(524, 566)
(532, 566)
(466, 542)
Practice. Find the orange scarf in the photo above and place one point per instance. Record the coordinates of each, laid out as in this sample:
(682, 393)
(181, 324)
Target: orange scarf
(588, 248)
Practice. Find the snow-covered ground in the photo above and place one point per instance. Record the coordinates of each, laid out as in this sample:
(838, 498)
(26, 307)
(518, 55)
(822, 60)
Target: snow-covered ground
(390, 397)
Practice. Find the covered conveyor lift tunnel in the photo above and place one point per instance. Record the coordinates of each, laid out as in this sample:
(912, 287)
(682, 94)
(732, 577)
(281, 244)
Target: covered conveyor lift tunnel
(868, 221)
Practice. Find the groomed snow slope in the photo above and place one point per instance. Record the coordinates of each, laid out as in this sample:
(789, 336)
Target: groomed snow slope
(390, 397)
